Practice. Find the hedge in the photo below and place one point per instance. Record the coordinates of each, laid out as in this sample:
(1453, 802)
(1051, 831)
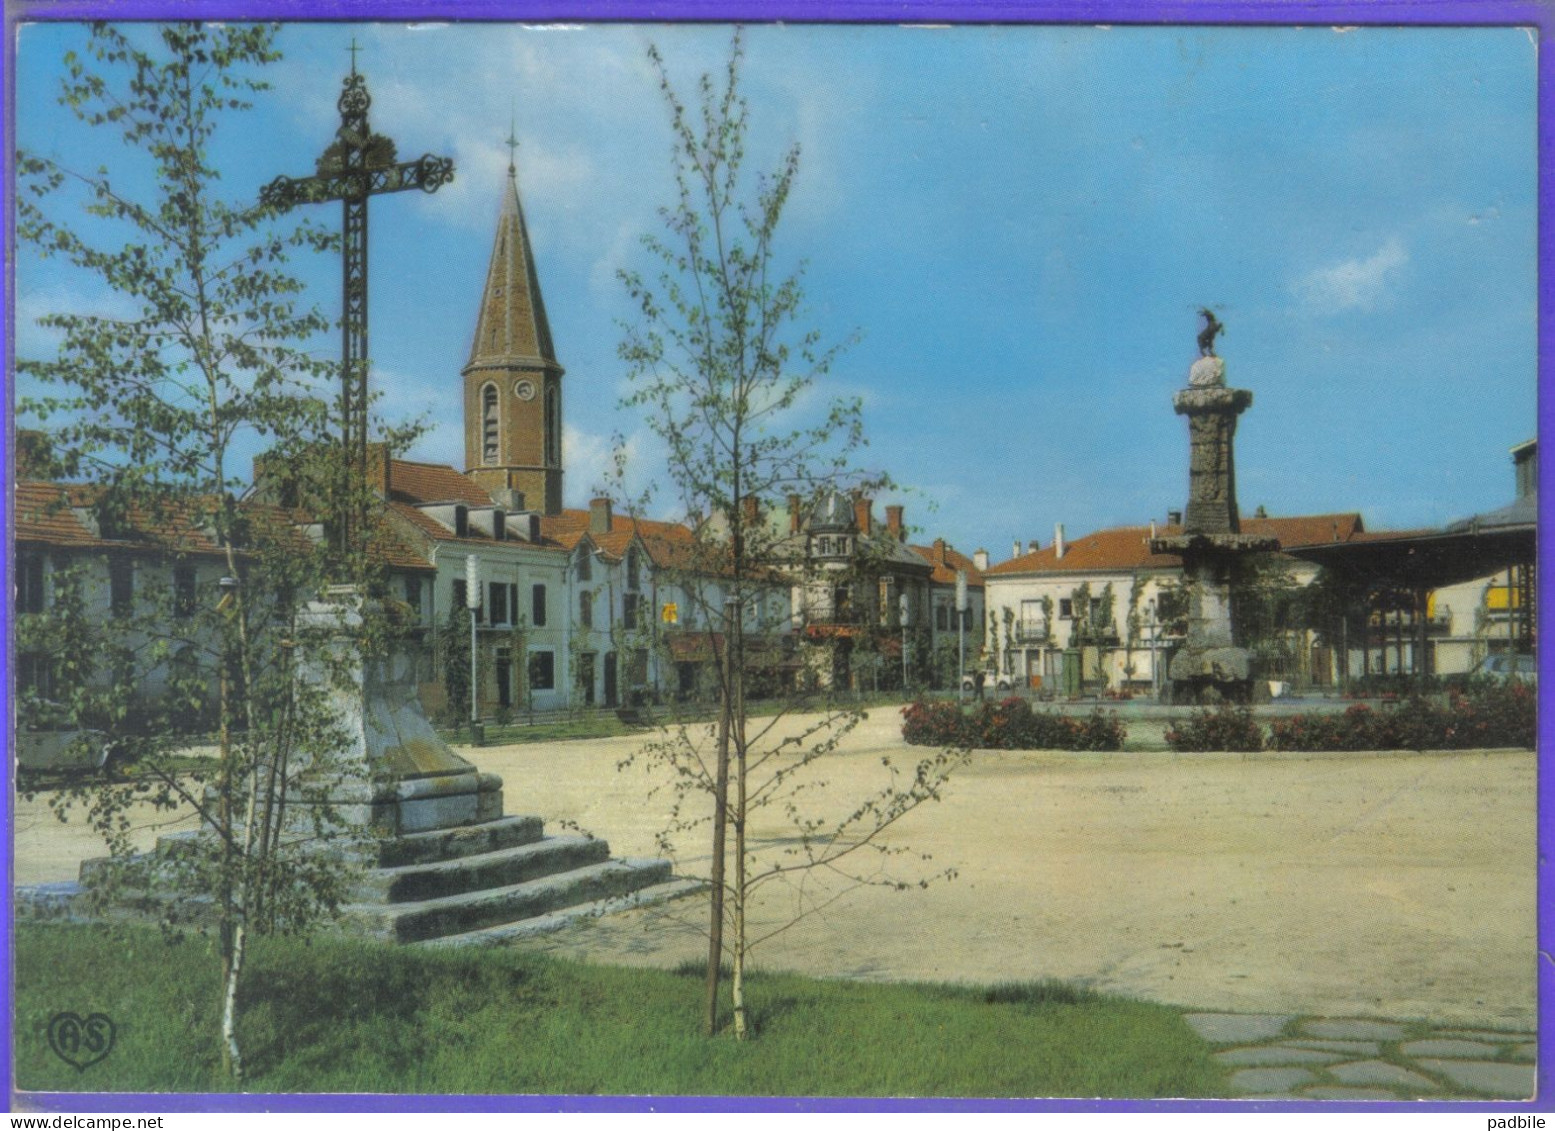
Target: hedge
(1009, 724)
(1486, 714)
(1229, 728)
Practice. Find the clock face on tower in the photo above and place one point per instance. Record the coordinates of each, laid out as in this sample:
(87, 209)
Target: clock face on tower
(524, 390)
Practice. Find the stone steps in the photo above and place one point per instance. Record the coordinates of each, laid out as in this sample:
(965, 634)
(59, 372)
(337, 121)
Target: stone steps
(482, 883)
(500, 868)
(445, 844)
(461, 913)
(559, 920)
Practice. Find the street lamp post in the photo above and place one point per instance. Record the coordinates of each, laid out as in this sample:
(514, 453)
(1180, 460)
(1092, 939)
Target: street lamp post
(904, 605)
(472, 602)
(961, 625)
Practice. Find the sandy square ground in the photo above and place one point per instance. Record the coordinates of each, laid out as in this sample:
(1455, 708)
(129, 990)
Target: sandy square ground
(1398, 885)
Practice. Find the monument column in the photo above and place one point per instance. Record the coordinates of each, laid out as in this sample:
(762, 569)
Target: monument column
(1210, 666)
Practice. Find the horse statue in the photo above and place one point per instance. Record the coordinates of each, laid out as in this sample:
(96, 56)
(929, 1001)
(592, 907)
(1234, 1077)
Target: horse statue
(1212, 326)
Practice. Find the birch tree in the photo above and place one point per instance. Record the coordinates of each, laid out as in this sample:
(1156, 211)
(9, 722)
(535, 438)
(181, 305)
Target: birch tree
(728, 377)
(145, 411)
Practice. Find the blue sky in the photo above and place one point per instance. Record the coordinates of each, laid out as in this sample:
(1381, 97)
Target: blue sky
(1020, 221)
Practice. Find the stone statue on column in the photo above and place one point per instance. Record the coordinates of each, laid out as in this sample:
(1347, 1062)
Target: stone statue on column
(1210, 666)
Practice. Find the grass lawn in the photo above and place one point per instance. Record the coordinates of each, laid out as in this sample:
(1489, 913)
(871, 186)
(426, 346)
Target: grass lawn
(339, 1015)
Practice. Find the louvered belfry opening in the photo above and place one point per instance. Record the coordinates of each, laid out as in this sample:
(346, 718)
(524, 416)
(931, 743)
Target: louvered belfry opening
(489, 424)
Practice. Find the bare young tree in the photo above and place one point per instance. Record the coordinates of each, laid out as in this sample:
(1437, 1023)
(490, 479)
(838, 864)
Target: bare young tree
(723, 370)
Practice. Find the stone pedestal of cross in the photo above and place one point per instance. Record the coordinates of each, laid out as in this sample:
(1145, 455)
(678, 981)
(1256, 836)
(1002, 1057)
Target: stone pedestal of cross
(358, 165)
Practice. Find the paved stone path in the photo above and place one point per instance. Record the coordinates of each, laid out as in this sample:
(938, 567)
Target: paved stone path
(1282, 1057)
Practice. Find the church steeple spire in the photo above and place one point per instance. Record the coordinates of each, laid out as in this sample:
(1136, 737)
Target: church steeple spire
(512, 382)
(512, 320)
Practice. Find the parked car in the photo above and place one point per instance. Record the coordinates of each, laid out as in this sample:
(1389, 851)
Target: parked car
(991, 681)
(1503, 666)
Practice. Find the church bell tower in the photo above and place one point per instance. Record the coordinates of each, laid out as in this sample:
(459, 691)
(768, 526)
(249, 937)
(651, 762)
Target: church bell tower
(512, 383)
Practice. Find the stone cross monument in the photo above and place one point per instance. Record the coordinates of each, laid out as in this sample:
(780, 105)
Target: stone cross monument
(1210, 665)
(357, 166)
(397, 775)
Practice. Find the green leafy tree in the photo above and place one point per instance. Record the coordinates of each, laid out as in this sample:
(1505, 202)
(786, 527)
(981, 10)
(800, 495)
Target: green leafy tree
(1132, 622)
(452, 647)
(1335, 606)
(721, 369)
(149, 408)
(1171, 608)
(1266, 608)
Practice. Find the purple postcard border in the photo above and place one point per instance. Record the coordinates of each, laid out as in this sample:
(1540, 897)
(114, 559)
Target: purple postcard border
(1417, 13)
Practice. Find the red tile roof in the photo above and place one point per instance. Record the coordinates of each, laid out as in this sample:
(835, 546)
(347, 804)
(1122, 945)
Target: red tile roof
(47, 513)
(425, 525)
(670, 545)
(411, 482)
(945, 571)
(44, 515)
(1128, 547)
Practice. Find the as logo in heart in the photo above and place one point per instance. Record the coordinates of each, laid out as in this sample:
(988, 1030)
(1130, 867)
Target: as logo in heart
(81, 1041)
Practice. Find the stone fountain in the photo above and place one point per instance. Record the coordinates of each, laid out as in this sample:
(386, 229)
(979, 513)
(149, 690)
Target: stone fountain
(1210, 667)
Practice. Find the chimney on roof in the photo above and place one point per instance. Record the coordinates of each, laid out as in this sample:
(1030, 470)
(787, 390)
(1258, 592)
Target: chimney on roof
(1174, 518)
(793, 514)
(1015, 549)
(1260, 512)
(980, 560)
(939, 551)
(1033, 546)
(750, 510)
(863, 515)
(600, 515)
(1058, 540)
(1152, 528)
(893, 522)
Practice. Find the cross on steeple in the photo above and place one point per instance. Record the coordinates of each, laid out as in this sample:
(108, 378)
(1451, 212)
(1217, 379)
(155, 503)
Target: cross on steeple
(353, 49)
(512, 144)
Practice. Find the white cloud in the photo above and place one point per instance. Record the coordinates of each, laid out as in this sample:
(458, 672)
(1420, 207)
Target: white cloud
(403, 400)
(1354, 284)
(33, 303)
(623, 247)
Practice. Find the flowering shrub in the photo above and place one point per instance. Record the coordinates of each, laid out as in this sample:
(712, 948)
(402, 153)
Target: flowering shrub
(1009, 724)
(1228, 728)
(1485, 715)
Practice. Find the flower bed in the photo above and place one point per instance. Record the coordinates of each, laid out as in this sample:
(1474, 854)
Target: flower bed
(1009, 724)
(1485, 715)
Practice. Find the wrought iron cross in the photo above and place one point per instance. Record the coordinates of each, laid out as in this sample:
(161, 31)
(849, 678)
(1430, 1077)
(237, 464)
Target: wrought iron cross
(359, 164)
